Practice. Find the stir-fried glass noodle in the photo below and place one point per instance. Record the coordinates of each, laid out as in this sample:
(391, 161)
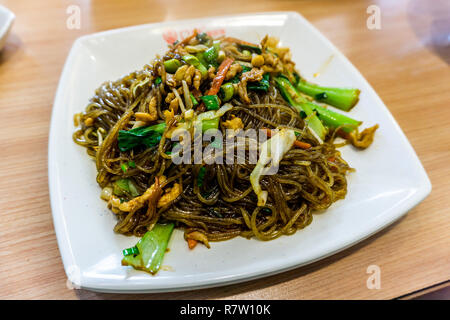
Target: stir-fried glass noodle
(128, 125)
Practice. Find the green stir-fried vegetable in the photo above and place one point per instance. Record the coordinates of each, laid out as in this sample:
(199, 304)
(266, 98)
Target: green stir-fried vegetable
(342, 98)
(148, 136)
(150, 249)
(298, 102)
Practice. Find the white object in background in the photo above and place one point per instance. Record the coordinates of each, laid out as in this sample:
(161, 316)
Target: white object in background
(6, 21)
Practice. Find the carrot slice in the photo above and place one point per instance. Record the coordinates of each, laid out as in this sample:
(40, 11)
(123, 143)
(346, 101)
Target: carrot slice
(191, 243)
(218, 80)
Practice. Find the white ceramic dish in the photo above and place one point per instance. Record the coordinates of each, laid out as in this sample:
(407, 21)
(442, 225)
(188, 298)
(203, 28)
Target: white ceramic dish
(388, 182)
(6, 22)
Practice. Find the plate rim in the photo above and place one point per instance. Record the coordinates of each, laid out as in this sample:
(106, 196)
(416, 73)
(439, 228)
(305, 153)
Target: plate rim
(59, 222)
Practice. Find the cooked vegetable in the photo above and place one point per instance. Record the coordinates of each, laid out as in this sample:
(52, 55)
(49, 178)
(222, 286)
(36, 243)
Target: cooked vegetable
(125, 186)
(334, 119)
(227, 91)
(210, 124)
(151, 249)
(212, 53)
(130, 251)
(148, 136)
(192, 60)
(262, 85)
(342, 98)
(272, 151)
(218, 80)
(288, 92)
(211, 102)
(194, 101)
(172, 65)
(297, 143)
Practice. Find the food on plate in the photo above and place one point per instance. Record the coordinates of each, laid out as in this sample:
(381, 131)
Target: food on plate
(220, 138)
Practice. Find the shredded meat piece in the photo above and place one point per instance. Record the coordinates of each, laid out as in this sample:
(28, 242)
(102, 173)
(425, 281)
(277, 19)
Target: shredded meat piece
(170, 195)
(134, 204)
(253, 75)
(197, 79)
(362, 139)
(233, 71)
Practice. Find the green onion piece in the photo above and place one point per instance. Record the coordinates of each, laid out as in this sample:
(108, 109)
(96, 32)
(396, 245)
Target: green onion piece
(201, 176)
(152, 247)
(130, 251)
(192, 60)
(211, 102)
(148, 136)
(212, 53)
(172, 65)
(201, 59)
(210, 124)
(194, 101)
(158, 80)
(132, 164)
(342, 98)
(124, 167)
(227, 91)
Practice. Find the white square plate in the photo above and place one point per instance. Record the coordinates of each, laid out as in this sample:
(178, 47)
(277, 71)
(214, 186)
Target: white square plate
(389, 179)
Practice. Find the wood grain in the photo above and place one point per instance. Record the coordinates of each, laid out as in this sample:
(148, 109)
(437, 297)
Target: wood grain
(407, 62)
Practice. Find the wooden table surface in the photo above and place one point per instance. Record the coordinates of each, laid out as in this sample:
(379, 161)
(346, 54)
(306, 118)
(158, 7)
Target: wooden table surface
(406, 61)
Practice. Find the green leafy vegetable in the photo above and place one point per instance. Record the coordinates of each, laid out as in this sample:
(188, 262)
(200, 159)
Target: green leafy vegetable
(158, 80)
(148, 136)
(152, 247)
(262, 85)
